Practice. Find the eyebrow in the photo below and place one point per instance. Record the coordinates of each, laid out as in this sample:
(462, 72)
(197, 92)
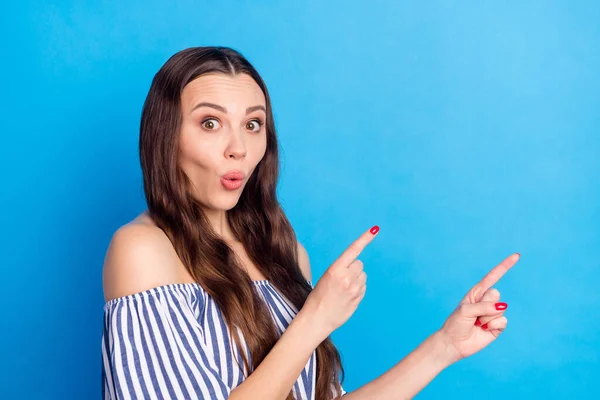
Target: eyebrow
(224, 110)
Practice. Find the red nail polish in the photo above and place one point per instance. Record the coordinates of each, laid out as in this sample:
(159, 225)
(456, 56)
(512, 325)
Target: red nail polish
(484, 326)
(501, 306)
(374, 229)
(477, 322)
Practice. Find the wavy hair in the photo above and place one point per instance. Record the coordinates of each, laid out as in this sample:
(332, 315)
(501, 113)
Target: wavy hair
(257, 220)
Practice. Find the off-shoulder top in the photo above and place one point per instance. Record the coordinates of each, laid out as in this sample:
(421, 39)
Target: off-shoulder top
(171, 342)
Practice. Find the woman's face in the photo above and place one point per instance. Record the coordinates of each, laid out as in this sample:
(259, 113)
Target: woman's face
(223, 129)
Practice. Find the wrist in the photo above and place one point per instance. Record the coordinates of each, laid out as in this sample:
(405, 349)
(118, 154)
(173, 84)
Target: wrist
(307, 321)
(443, 352)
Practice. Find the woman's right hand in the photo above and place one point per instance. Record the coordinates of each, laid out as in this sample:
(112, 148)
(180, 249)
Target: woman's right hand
(341, 288)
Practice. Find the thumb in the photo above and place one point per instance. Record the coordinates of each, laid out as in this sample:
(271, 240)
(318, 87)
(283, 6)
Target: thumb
(474, 310)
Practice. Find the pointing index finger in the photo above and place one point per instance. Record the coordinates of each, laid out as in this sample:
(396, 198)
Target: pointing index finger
(494, 276)
(354, 250)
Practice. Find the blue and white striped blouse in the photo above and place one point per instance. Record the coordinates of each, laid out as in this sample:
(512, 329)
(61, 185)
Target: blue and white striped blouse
(171, 342)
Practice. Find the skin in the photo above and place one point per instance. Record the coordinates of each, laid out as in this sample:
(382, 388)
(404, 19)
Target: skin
(213, 142)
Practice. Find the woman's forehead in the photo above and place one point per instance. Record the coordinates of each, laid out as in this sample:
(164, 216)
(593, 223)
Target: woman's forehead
(232, 92)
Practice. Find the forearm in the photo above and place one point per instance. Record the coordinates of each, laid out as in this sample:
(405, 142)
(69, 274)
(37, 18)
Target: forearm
(279, 370)
(409, 376)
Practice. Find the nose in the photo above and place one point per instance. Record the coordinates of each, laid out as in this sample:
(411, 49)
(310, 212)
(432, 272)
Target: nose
(236, 148)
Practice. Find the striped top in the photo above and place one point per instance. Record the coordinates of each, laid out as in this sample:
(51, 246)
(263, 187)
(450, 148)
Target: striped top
(171, 342)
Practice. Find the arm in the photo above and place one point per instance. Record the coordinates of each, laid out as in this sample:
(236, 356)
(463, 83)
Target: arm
(409, 376)
(332, 301)
(276, 374)
(304, 262)
(475, 323)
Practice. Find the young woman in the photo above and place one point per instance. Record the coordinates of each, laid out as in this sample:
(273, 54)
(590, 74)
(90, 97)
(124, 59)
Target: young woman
(209, 294)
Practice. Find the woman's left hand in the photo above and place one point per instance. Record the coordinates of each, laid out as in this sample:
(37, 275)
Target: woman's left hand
(478, 319)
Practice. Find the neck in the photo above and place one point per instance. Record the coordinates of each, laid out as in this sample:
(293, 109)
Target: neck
(220, 224)
(218, 221)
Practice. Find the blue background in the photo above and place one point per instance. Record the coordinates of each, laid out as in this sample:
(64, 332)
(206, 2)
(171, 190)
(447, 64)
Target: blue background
(466, 130)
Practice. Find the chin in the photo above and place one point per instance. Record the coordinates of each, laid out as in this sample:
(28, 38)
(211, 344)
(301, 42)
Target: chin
(227, 204)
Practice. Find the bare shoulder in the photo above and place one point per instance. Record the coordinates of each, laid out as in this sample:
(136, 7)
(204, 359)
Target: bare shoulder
(304, 262)
(139, 257)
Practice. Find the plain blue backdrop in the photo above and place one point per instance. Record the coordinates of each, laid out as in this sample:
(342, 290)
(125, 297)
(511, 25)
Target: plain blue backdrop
(466, 130)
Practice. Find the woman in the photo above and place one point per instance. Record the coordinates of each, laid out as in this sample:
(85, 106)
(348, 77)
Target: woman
(208, 293)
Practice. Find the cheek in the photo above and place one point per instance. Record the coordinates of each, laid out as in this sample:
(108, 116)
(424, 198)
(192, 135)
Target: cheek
(198, 158)
(259, 148)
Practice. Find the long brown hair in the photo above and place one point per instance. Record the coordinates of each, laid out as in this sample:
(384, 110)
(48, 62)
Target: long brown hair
(257, 220)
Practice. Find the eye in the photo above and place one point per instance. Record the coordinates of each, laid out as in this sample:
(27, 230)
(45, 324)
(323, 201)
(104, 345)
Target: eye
(254, 125)
(210, 124)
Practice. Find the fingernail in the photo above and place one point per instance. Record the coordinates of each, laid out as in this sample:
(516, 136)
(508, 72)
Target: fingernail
(484, 326)
(519, 254)
(477, 322)
(374, 229)
(501, 306)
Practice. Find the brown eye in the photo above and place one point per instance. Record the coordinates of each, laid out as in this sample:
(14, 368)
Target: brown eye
(210, 124)
(254, 125)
